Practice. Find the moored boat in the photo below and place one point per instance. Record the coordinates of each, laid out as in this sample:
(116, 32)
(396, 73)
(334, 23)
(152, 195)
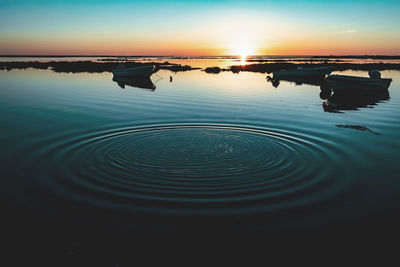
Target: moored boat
(345, 82)
(303, 73)
(139, 71)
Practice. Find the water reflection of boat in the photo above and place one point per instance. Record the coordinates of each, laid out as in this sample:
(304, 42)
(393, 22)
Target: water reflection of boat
(275, 83)
(352, 101)
(138, 71)
(325, 92)
(301, 73)
(346, 83)
(140, 82)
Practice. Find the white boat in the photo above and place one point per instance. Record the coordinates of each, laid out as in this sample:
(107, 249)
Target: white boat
(139, 71)
(344, 82)
(303, 73)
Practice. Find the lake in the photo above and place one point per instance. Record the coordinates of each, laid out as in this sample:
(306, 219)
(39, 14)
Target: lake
(200, 153)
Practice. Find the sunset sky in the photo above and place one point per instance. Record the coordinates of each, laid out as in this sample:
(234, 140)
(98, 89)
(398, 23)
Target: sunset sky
(199, 28)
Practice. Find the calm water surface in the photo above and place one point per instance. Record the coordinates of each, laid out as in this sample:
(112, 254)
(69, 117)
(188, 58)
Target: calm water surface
(226, 152)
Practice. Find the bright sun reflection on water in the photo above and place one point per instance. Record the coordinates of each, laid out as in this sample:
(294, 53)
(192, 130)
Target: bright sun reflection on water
(243, 58)
(243, 50)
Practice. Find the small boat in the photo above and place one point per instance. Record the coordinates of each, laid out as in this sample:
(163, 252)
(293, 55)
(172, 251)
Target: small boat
(139, 71)
(345, 82)
(300, 80)
(303, 73)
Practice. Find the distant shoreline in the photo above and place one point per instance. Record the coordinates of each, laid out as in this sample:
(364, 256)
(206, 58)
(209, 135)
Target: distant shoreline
(87, 66)
(271, 67)
(98, 67)
(253, 57)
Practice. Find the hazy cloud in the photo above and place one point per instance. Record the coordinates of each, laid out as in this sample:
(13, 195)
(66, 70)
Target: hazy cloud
(342, 26)
(349, 31)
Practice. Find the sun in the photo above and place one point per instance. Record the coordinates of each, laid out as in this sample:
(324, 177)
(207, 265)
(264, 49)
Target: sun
(243, 49)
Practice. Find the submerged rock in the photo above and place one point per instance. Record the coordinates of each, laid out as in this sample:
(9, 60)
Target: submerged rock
(357, 127)
(214, 70)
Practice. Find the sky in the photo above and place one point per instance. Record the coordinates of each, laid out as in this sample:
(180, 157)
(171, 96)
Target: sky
(199, 28)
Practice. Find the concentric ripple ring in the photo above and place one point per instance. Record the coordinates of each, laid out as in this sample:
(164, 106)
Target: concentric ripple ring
(203, 169)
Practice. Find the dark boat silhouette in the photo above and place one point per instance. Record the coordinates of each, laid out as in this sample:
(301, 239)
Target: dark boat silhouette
(139, 82)
(362, 84)
(317, 81)
(305, 80)
(137, 71)
(302, 73)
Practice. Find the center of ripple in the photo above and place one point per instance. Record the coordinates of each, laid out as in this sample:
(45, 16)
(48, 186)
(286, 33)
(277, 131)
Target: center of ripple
(192, 153)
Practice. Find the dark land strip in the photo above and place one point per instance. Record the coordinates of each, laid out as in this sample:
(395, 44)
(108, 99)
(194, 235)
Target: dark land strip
(86, 66)
(271, 67)
(97, 67)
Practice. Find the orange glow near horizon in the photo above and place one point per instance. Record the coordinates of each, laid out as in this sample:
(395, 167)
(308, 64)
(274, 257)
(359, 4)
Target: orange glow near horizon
(190, 49)
(242, 40)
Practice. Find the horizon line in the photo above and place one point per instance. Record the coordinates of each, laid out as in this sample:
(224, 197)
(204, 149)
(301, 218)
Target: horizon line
(262, 55)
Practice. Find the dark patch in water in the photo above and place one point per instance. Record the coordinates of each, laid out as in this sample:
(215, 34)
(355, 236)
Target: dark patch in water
(357, 127)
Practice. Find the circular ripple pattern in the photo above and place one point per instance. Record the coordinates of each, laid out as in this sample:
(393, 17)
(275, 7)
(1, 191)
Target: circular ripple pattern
(201, 169)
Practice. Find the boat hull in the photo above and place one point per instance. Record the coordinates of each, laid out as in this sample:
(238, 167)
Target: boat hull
(313, 73)
(345, 83)
(141, 71)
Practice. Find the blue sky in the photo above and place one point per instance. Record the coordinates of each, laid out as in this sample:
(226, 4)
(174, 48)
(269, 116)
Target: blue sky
(199, 27)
